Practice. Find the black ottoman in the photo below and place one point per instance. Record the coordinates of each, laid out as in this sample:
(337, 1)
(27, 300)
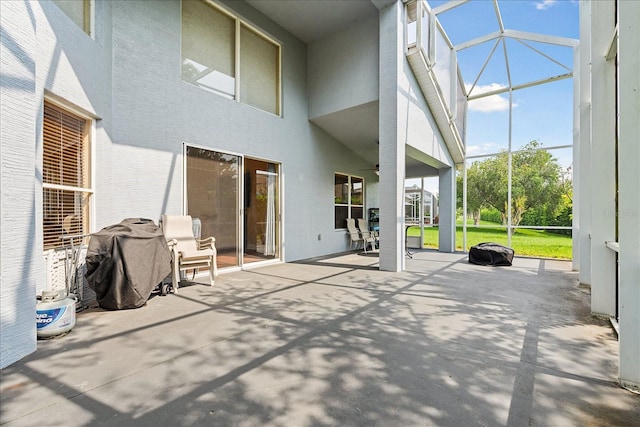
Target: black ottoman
(490, 253)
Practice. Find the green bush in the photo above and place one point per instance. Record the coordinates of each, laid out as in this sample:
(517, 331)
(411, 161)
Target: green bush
(491, 215)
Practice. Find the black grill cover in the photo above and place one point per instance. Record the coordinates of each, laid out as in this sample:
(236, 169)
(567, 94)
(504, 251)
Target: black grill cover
(126, 261)
(489, 253)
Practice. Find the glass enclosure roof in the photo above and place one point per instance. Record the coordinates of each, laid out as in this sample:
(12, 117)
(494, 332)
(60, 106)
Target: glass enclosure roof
(502, 44)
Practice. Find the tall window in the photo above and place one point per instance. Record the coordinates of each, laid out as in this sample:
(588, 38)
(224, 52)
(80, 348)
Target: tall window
(65, 175)
(348, 199)
(78, 10)
(227, 56)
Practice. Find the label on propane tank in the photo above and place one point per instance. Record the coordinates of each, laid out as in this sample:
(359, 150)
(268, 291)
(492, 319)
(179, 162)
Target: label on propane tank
(45, 318)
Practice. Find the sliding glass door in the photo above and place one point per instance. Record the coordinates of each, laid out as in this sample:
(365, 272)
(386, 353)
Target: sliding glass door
(213, 194)
(237, 201)
(261, 218)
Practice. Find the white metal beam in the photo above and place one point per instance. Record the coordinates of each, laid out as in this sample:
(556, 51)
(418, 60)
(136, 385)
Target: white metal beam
(448, 6)
(498, 15)
(521, 86)
(541, 38)
(582, 203)
(486, 62)
(539, 52)
(554, 147)
(478, 40)
(506, 63)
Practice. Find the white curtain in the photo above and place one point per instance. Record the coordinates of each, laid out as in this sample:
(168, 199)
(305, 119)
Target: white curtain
(270, 232)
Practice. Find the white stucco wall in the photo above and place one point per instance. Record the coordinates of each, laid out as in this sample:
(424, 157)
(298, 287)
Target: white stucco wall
(629, 207)
(18, 270)
(43, 54)
(343, 73)
(418, 127)
(154, 113)
(602, 162)
(127, 77)
(343, 68)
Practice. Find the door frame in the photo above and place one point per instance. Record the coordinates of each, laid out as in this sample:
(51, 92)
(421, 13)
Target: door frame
(240, 205)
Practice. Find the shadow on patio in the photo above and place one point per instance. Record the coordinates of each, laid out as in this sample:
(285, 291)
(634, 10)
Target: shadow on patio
(334, 341)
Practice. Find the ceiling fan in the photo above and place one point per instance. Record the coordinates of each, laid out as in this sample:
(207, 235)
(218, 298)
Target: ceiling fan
(376, 170)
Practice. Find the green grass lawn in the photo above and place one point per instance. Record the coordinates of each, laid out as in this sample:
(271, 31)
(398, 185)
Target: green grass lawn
(526, 242)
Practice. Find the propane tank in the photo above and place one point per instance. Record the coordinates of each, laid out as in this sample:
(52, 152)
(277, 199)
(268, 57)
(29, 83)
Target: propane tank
(55, 314)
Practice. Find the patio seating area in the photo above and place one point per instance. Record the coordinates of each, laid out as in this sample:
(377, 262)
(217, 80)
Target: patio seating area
(335, 341)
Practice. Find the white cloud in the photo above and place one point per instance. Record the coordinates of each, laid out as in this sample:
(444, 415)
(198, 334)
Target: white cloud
(490, 104)
(486, 148)
(544, 4)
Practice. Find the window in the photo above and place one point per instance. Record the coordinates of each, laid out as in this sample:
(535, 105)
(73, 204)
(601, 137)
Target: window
(348, 199)
(65, 175)
(227, 56)
(208, 40)
(78, 10)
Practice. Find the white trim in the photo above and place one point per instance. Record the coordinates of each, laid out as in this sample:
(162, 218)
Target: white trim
(236, 64)
(266, 173)
(61, 102)
(92, 19)
(92, 171)
(613, 47)
(66, 187)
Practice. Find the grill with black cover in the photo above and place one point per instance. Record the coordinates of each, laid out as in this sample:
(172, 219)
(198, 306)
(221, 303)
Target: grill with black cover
(126, 261)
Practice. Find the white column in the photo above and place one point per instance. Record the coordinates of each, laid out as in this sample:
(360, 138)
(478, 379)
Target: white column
(447, 210)
(422, 199)
(603, 161)
(629, 192)
(392, 148)
(582, 151)
(22, 264)
(575, 255)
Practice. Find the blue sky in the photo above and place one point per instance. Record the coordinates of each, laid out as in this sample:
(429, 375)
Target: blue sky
(543, 112)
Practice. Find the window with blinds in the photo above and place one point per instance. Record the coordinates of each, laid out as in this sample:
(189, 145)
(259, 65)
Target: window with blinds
(65, 176)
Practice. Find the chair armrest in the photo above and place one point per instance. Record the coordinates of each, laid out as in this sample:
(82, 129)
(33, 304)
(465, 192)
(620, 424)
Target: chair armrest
(209, 243)
(171, 243)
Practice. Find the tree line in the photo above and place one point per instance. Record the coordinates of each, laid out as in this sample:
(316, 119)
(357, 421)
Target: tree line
(541, 190)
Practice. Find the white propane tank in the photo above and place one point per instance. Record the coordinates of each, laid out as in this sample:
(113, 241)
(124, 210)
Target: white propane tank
(55, 314)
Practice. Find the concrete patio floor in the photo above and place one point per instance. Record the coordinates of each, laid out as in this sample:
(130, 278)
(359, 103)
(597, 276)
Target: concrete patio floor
(335, 342)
